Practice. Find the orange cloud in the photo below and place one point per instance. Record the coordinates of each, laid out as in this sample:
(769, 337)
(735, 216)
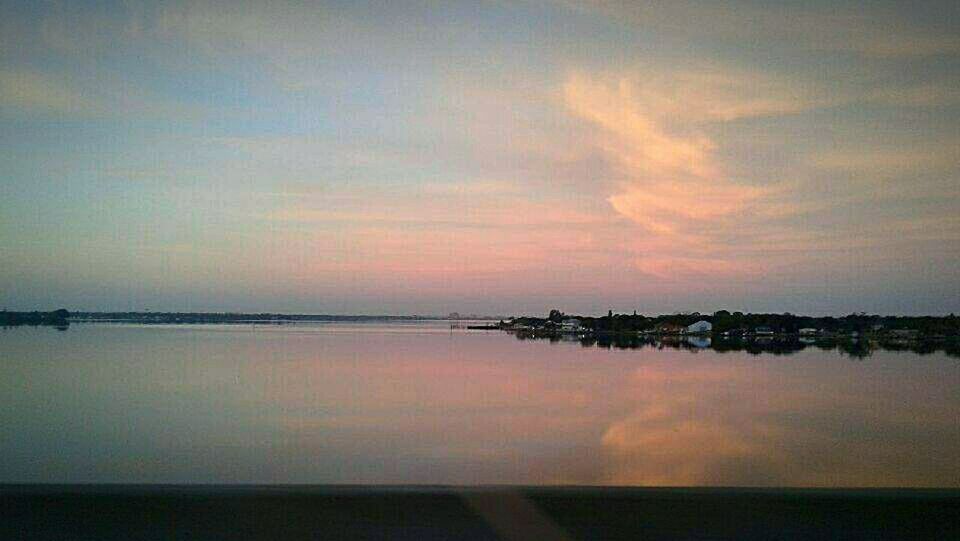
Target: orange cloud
(675, 188)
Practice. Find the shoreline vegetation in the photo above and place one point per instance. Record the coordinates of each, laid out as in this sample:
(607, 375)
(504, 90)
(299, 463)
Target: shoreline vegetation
(721, 322)
(734, 324)
(855, 347)
(58, 318)
(856, 335)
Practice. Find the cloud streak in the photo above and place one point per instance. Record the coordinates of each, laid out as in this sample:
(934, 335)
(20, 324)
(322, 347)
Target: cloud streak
(673, 187)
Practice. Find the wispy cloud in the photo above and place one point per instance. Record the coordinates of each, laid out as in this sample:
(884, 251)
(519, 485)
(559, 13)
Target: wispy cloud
(675, 189)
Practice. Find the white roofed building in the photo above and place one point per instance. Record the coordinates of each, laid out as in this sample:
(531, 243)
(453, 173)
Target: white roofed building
(700, 327)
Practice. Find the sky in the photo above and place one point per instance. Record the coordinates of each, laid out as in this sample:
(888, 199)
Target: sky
(489, 157)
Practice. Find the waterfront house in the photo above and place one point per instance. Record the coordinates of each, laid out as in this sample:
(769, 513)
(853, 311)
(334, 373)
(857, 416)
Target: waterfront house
(700, 327)
(571, 325)
(669, 328)
(809, 332)
(763, 331)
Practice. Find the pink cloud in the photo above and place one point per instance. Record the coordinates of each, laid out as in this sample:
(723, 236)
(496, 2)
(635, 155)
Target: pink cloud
(674, 187)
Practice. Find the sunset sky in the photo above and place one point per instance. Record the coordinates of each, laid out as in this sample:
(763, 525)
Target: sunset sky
(488, 157)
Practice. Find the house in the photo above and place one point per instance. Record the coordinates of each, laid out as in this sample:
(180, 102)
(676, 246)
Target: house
(571, 325)
(700, 327)
(763, 331)
(809, 332)
(669, 328)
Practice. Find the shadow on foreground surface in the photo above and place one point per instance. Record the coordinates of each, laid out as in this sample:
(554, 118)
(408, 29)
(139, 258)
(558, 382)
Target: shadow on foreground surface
(205, 512)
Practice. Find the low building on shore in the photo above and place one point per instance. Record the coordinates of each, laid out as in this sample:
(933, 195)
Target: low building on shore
(571, 325)
(701, 327)
(669, 328)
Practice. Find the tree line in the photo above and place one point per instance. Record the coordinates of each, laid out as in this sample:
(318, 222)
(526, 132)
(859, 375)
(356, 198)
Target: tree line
(785, 323)
(57, 318)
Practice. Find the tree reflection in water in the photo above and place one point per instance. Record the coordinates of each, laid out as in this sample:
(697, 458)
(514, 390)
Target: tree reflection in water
(848, 346)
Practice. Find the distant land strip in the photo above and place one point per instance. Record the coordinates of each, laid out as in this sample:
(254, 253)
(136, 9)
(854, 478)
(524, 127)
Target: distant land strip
(64, 317)
(721, 322)
(734, 324)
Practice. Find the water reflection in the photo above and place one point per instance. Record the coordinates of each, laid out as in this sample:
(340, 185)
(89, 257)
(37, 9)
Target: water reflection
(704, 424)
(852, 347)
(369, 404)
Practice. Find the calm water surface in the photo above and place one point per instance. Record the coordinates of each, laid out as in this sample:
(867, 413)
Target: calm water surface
(419, 403)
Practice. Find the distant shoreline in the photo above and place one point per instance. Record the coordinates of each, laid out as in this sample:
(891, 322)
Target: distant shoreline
(260, 317)
(62, 317)
(736, 325)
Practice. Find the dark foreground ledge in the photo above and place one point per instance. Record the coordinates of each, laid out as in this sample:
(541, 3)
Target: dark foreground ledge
(129, 512)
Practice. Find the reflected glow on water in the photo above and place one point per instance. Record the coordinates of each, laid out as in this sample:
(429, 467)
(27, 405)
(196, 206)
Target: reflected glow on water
(419, 403)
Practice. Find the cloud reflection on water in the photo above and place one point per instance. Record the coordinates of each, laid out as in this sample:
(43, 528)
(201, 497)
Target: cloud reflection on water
(332, 404)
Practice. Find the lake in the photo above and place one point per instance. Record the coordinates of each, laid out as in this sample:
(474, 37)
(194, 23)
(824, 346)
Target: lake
(420, 403)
